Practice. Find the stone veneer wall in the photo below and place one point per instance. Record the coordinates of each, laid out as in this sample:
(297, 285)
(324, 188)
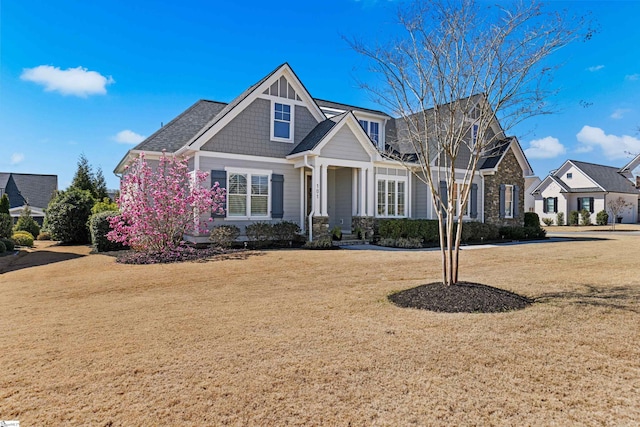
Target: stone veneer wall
(364, 223)
(509, 173)
(320, 226)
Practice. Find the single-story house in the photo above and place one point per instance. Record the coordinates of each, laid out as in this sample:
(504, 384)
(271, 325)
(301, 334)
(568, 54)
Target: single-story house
(34, 190)
(580, 185)
(282, 154)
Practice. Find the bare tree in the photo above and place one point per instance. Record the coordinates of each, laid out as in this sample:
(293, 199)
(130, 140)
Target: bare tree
(616, 206)
(458, 66)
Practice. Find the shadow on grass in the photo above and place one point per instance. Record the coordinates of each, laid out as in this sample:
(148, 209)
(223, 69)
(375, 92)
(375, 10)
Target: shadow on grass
(35, 259)
(618, 297)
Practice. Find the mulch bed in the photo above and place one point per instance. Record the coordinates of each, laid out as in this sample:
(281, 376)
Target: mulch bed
(463, 297)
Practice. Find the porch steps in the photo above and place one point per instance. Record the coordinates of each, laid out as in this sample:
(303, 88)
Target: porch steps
(348, 240)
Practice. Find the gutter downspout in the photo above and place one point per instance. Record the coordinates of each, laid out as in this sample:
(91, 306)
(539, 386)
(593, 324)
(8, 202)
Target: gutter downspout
(312, 210)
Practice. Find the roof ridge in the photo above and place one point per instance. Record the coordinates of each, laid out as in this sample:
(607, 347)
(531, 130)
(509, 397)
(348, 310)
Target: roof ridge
(595, 164)
(350, 105)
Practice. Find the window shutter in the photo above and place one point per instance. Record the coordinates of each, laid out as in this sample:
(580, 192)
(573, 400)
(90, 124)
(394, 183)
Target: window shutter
(474, 200)
(579, 204)
(221, 178)
(516, 201)
(555, 204)
(443, 196)
(544, 205)
(277, 196)
(502, 207)
(591, 204)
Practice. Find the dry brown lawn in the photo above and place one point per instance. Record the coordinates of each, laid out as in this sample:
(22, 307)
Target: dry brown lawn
(299, 337)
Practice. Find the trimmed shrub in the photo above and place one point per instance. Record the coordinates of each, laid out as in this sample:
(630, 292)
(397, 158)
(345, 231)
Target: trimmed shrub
(224, 235)
(27, 223)
(602, 218)
(324, 242)
(3, 248)
(547, 221)
(68, 214)
(44, 235)
(574, 217)
(512, 233)
(478, 232)
(285, 231)
(535, 232)
(425, 229)
(8, 243)
(106, 205)
(408, 242)
(23, 238)
(560, 218)
(4, 204)
(99, 227)
(260, 233)
(531, 219)
(585, 217)
(6, 225)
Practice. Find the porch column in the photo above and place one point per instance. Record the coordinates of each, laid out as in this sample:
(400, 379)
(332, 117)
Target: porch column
(363, 192)
(354, 192)
(303, 222)
(315, 190)
(323, 189)
(370, 193)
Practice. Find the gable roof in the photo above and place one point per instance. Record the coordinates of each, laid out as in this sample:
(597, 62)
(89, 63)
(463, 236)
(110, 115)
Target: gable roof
(607, 177)
(180, 130)
(346, 107)
(36, 190)
(492, 155)
(314, 137)
(629, 167)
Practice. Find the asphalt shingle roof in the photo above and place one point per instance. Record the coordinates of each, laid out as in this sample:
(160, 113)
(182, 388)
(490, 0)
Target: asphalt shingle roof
(606, 177)
(492, 156)
(346, 107)
(35, 190)
(314, 137)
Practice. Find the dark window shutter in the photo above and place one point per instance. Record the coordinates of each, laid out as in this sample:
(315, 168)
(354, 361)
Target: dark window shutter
(221, 178)
(443, 197)
(474, 200)
(502, 207)
(591, 204)
(516, 201)
(579, 204)
(277, 196)
(544, 205)
(555, 204)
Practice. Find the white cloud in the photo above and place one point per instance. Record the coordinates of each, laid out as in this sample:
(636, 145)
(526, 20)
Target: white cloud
(17, 158)
(595, 68)
(129, 137)
(612, 146)
(632, 77)
(545, 148)
(72, 81)
(619, 113)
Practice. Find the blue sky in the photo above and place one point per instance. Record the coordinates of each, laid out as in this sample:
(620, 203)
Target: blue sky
(94, 77)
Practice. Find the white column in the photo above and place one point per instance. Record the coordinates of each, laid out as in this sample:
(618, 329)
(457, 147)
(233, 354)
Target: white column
(315, 190)
(363, 193)
(409, 189)
(323, 189)
(354, 192)
(303, 196)
(370, 189)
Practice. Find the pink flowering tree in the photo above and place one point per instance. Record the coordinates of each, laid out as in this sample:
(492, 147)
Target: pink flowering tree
(157, 207)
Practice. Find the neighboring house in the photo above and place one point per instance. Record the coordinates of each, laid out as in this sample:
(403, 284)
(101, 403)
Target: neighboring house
(283, 155)
(530, 184)
(28, 189)
(579, 185)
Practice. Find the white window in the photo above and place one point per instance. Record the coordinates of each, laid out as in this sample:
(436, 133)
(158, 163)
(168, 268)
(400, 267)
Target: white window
(248, 195)
(372, 129)
(391, 197)
(569, 175)
(458, 190)
(474, 134)
(282, 122)
(508, 201)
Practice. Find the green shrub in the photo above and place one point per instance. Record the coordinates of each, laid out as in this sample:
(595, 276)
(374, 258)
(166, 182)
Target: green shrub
(512, 233)
(26, 222)
(8, 243)
(425, 229)
(560, 218)
(602, 218)
(534, 232)
(531, 219)
(547, 221)
(323, 242)
(408, 242)
(336, 233)
(224, 235)
(99, 227)
(23, 238)
(5, 205)
(106, 205)
(586, 217)
(44, 235)
(6, 225)
(68, 214)
(3, 248)
(285, 231)
(574, 216)
(478, 232)
(259, 232)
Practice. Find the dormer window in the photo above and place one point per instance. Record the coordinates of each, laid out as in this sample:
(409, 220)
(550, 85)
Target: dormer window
(281, 123)
(372, 129)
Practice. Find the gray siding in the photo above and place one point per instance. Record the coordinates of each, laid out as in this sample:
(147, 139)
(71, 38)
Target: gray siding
(342, 199)
(250, 132)
(344, 145)
(421, 200)
(291, 186)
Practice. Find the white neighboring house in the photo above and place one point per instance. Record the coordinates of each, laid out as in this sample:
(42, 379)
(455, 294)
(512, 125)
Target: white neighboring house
(579, 185)
(530, 184)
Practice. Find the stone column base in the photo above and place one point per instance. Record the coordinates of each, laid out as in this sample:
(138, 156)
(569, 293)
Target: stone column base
(320, 226)
(365, 224)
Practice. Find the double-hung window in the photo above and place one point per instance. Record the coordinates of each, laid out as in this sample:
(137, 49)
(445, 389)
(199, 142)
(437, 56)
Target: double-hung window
(282, 120)
(508, 201)
(458, 190)
(391, 197)
(248, 195)
(372, 129)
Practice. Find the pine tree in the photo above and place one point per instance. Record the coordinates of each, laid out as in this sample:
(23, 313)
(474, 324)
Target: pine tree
(100, 185)
(84, 179)
(4, 204)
